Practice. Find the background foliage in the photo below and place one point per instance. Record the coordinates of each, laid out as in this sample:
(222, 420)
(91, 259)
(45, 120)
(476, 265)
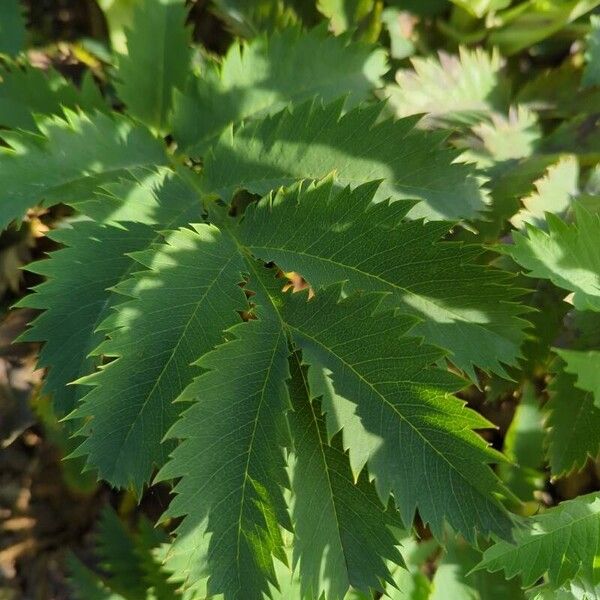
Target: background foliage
(421, 419)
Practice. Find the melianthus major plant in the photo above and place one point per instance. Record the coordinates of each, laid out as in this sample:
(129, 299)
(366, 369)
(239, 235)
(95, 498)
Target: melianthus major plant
(177, 353)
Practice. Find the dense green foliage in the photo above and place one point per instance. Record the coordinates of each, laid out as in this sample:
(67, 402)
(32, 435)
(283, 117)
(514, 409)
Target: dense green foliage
(292, 288)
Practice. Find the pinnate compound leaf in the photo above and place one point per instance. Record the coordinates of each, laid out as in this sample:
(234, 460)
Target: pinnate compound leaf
(118, 557)
(451, 90)
(85, 584)
(129, 565)
(148, 544)
(554, 193)
(342, 535)
(395, 411)
(568, 255)
(262, 76)
(330, 235)
(93, 260)
(12, 27)
(230, 478)
(180, 306)
(27, 91)
(157, 61)
(574, 425)
(154, 196)
(35, 170)
(231, 463)
(561, 543)
(498, 142)
(585, 365)
(314, 140)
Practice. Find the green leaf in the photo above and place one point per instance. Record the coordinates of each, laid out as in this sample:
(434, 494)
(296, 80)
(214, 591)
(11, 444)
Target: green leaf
(341, 528)
(524, 447)
(561, 543)
(26, 92)
(555, 92)
(347, 15)
(585, 365)
(574, 425)
(157, 61)
(155, 337)
(154, 196)
(498, 139)
(409, 586)
(412, 583)
(147, 545)
(574, 590)
(289, 586)
(591, 73)
(329, 235)
(579, 135)
(249, 18)
(568, 255)
(554, 193)
(314, 140)
(451, 90)
(395, 412)
(36, 170)
(12, 27)
(423, 8)
(119, 16)
(93, 260)
(231, 463)
(262, 76)
(453, 579)
(85, 584)
(129, 567)
(531, 22)
(479, 8)
(116, 549)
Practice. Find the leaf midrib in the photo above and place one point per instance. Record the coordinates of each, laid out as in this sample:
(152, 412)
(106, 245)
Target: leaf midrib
(328, 350)
(398, 288)
(315, 423)
(535, 538)
(168, 361)
(266, 107)
(250, 451)
(124, 276)
(386, 402)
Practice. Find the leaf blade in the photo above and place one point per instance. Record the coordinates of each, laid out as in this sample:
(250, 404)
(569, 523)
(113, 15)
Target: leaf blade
(328, 235)
(562, 543)
(353, 349)
(313, 140)
(232, 499)
(100, 149)
(151, 371)
(341, 521)
(157, 61)
(264, 75)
